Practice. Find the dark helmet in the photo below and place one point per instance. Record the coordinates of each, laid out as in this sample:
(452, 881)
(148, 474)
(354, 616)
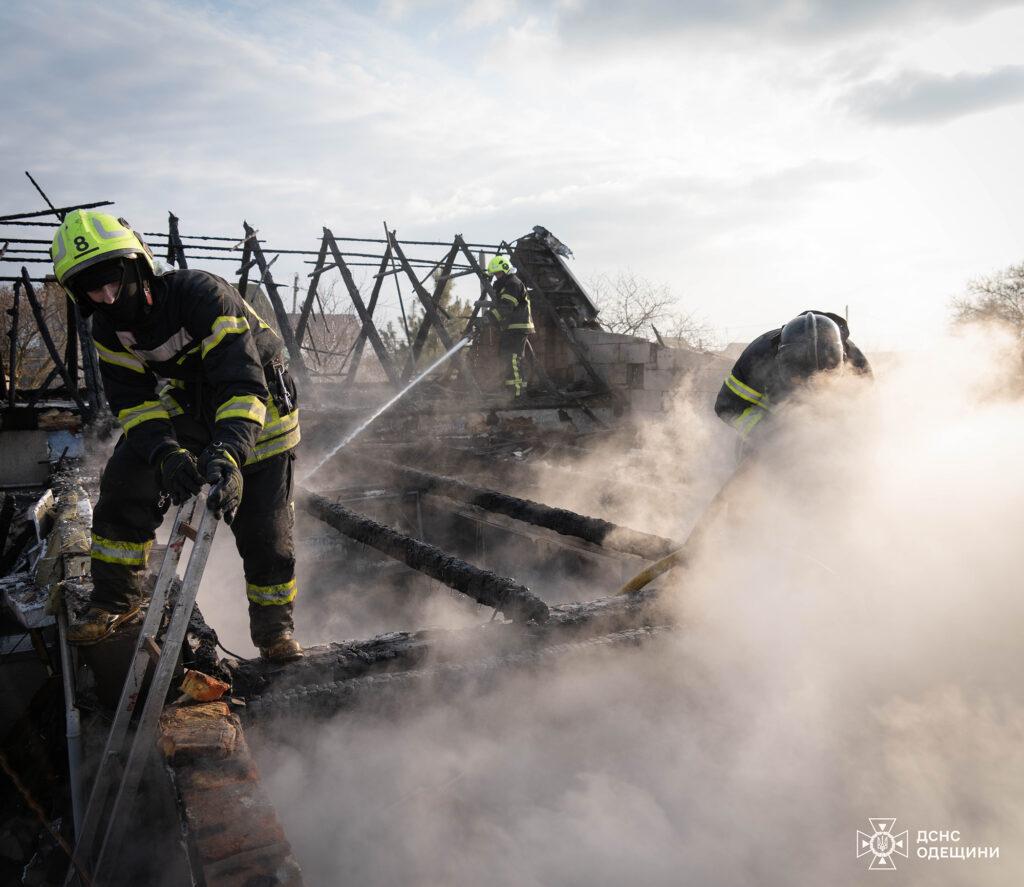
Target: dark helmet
(810, 343)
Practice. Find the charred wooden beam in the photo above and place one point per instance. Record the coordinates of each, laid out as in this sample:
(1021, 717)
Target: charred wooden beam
(314, 282)
(561, 520)
(59, 210)
(90, 361)
(431, 314)
(297, 364)
(55, 355)
(360, 342)
(403, 650)
(12, 335)
(364, 315)
(383, 691)
(175, 248)
(424, 331)
(513, 599)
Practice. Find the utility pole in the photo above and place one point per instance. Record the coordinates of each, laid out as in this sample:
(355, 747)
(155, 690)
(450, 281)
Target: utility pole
(295, 293)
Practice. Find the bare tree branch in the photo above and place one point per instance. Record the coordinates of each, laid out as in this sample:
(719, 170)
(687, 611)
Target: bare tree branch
(998, 298)
(631, 304)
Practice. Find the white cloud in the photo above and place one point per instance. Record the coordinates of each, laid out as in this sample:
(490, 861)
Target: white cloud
(912, 97)
(736, 172)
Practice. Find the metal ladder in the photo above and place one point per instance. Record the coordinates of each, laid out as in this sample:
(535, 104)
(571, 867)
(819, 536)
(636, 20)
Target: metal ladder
(125, 757)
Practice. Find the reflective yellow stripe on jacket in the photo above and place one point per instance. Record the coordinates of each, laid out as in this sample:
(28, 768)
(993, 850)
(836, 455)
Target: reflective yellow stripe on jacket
(745, 392)
(244, 406)
(143, 412)
(279, 434)
(119, 358)
(222, 327)
(744, 423)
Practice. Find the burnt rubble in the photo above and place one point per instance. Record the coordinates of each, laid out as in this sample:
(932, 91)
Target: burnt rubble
(417, 522)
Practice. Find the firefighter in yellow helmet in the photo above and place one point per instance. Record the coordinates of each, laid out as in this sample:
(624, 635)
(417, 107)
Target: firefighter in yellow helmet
(514, 319)
(198, 383)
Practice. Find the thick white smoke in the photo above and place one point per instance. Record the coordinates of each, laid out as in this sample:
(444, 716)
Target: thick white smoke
(849, 647)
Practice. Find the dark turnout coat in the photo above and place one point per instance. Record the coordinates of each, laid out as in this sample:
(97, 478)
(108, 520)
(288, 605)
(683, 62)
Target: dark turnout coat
(754, 386)
(200, 348)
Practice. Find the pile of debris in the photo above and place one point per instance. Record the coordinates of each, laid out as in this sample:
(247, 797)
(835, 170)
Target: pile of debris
(398, 508)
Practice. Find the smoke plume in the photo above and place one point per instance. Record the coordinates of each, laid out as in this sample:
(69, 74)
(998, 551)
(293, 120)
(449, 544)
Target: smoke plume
(848, 647)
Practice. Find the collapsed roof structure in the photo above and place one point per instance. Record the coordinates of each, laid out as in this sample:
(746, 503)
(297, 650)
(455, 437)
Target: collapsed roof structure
(419, 495)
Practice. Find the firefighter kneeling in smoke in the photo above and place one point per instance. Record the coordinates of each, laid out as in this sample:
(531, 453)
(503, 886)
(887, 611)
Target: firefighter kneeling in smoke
(514, 319)
(777, 362)
(197, 381)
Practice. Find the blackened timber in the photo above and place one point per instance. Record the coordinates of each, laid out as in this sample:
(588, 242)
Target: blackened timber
(44, 389)
(561, 520)
(432, 317)
(297, 364)
(485, 284)
(422, 686)
(431, 313)
(175, 248)
(12, 334)
(397, 651)
(6, 518)
(42, 194)
(44, 331)
(360, 342)
(90, 361)
(314, 282)
(398, 287)
(71, 343)
(364, 315)
(513, 599)
(59, 210)
(245, 266)
(424, 330)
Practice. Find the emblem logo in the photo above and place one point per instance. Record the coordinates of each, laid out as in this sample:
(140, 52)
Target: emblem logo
(882, 844)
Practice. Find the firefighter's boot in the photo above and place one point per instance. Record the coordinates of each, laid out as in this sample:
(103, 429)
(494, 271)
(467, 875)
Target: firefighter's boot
(97, 624)
(283, 648)
(271, 629)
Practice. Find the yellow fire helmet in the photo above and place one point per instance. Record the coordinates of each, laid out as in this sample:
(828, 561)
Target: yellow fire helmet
(499, 265)
(86, 238)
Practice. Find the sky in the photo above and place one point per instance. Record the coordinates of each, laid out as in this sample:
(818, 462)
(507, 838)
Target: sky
(761, 158)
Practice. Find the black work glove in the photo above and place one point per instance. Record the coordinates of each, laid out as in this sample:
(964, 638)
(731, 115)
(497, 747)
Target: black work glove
(218, 466)
(178, 475)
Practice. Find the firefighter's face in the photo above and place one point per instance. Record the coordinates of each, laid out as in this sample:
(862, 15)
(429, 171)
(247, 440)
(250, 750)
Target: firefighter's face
(106, 294)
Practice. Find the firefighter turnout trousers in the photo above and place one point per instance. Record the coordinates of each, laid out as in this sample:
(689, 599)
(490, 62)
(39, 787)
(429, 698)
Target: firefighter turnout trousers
(128, 514)
(511, 353)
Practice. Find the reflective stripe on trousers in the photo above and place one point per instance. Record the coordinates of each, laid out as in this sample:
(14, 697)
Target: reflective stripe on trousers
(117, 551)
(271, 595)
(517, 380)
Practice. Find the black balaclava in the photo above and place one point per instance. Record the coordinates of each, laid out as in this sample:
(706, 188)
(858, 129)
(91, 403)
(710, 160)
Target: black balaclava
(130, 307)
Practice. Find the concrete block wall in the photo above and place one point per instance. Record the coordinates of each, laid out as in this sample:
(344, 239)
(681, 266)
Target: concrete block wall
(664, 369)
(612, 354)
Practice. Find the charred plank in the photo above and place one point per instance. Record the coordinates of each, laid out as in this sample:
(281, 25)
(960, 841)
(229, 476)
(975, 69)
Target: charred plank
(591, 529)
(513, 599)
(382, 692)
(407, 650)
